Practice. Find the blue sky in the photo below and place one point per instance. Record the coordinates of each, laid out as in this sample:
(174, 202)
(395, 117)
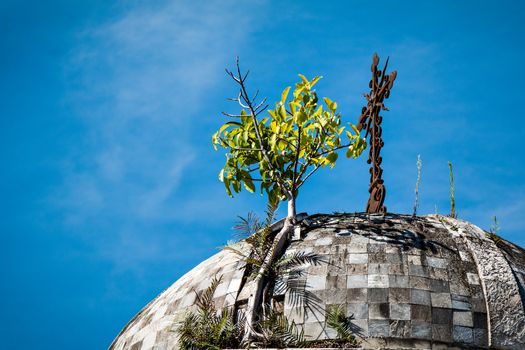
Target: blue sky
(109, 182)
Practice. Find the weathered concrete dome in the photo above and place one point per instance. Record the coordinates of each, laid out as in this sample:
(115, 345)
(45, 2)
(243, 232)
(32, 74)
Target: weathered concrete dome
(425, 282)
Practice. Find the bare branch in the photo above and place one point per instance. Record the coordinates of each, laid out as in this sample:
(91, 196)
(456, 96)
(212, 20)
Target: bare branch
(261, 110)
(231, 115)
(288, 142)
(317, 167)
(245, 106)
(245, 76)
(260, 104)
(253, 113)
(334, 149)
(246, 149)
(296, 161)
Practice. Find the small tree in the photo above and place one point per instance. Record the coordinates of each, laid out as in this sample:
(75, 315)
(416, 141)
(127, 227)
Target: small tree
(452, 197)
(419, 165)
(285, 148)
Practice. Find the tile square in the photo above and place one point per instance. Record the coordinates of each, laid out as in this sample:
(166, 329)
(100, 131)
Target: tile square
(361, 327)
(442, 332)
(437, 262)
(378, 328)
(378, 281)
(357, 281)
(399, 295)
(442, 316)
(358, 258)
(480, 320)
(316, 282)
(397, 281)
(378, 311)
(357, 295)
(441, 300)
(377, 258)
(420, 313)
(397, 269)
(378, 295)
(439, 286)
(473, 278)
(463, 318)
(378, 269)
(400, 311)
(422, 330)
(394, 258)
(418, 282)
(357, 269)
(418, 270)
(480, 336)
(460, 302)
(418, 296)
(462, 334)
(400, 328)
(359, 311)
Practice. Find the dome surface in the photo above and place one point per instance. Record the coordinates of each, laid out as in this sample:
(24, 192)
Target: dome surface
(427, 282)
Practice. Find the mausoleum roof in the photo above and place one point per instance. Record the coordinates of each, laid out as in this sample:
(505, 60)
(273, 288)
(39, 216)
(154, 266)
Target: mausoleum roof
(423, 282)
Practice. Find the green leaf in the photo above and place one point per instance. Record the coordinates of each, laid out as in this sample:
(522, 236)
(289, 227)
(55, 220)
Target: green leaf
(315, 80)
(282, 112)
(221, 175)
(248, 185)
(284, 95)
(236, 184)
(300, 117)
(227, 185)
(355, 129)
(228, 124)
(332, 106)
(332, 158)
(303, 78)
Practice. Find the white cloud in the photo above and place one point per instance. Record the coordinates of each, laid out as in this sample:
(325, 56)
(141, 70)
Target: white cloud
(140, 84)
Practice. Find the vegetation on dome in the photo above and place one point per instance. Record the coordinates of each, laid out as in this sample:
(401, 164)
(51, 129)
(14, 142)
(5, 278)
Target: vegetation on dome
(285, 147)
(276, 151)
(280, 149)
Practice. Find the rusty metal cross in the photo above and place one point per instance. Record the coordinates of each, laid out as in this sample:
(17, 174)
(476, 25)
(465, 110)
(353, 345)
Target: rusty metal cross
(370, 120)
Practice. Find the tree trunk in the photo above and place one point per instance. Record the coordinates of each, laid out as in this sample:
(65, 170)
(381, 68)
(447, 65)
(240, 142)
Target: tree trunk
(280, 242)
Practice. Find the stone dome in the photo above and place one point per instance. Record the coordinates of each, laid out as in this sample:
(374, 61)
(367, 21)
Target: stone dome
(428, 282)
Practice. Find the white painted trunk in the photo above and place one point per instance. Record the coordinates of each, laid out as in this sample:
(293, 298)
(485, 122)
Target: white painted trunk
(256, 296)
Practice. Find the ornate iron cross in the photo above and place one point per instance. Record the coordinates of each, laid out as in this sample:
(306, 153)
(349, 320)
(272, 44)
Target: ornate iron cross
(370, 120)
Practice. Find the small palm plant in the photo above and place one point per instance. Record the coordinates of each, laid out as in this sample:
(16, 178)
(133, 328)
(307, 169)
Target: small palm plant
(284, 276)
(493, 233)
(419, 165)
(453, 213)
(207, 328)
(276, 331)
(342, 324)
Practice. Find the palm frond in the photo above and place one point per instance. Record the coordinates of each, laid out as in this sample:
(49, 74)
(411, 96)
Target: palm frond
(277, 331)
(297, 259)
(271, 210)
(205, 328)
(247, 226)
(297, 294)
(204, 299)
(231, 247)
(342, 324)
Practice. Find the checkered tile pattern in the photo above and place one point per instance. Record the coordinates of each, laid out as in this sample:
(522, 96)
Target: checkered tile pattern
(154, 326)
(400, 278)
